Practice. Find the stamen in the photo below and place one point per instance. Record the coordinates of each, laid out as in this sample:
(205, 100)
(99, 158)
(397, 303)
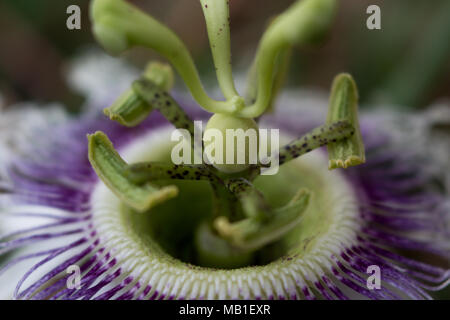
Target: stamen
(109, 167)
(130, 109)
(164, 103)
(143, 172)
(316, 138)
(344, 106)
(161, 74)
(252, 201)
(253, 233)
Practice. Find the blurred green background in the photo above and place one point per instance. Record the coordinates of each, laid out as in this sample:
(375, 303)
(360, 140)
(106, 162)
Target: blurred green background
(406, 63)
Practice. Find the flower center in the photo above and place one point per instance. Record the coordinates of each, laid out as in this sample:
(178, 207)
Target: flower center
(161, 241)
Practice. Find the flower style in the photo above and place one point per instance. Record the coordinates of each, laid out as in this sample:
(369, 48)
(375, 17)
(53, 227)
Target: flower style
(139, 227)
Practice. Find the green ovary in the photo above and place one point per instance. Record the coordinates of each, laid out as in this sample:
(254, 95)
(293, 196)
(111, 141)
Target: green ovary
(238, 135)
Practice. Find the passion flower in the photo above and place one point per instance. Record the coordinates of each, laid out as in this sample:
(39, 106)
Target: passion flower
(137, 226)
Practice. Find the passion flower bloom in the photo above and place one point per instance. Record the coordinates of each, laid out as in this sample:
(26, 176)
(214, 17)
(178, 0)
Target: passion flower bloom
(303, 233)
